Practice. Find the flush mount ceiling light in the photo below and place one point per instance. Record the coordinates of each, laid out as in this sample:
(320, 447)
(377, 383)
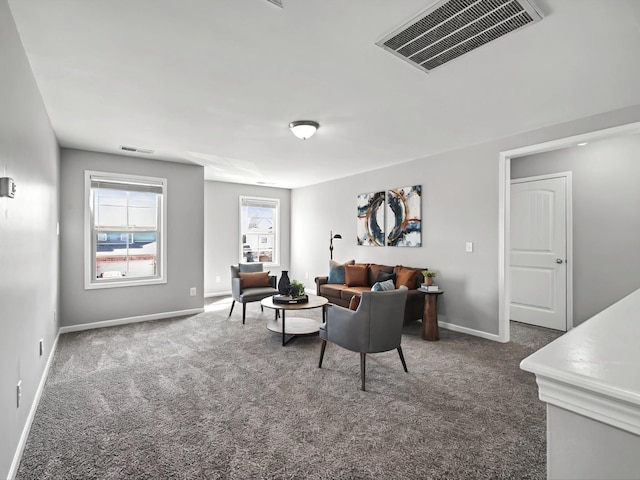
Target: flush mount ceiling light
(303, 129)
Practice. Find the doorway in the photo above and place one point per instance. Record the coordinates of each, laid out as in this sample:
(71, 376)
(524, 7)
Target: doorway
(541, 226)
(504, 211)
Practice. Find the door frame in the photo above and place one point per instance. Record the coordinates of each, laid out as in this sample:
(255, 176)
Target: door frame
(568, 260)
(504, 210)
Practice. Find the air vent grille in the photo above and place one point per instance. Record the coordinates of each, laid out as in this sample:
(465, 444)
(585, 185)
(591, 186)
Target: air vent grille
(136, 150)
(455, 27)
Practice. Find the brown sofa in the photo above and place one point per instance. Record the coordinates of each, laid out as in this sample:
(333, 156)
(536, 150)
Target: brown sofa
(340, 294)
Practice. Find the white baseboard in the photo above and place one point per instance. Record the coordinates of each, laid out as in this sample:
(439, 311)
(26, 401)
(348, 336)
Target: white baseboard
(469, 331)
(13, 469)
(217, 294)
(124, 321)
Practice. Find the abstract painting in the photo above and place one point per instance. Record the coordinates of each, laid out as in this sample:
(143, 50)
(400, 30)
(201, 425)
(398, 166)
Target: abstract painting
(370, 223)
(404, 218)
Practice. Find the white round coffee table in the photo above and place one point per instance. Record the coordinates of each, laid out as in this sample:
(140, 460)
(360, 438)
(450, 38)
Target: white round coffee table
(289, 327)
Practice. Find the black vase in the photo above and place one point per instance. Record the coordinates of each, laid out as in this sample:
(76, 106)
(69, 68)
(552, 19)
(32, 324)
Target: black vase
(284, 283)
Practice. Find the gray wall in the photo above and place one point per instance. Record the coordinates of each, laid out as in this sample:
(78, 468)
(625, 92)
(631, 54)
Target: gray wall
(185, 242)
(459, 204)
(606, 226)
(28, 240)
(222, 230)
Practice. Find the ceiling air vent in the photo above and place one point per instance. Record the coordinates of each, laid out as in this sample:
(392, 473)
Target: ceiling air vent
(136, 150)
(449, 29)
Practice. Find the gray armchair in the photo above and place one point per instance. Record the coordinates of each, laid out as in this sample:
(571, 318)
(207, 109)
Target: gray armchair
(252, 294)
(376, 326)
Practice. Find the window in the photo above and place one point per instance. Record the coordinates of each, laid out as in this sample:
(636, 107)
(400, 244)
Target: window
(259, 230)
(125, 220)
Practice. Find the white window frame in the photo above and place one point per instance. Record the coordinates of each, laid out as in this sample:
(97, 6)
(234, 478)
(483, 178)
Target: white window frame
(90, 282)
(276, 234)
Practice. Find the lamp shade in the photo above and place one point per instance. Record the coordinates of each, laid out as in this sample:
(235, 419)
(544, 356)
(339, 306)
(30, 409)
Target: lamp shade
(303, 129)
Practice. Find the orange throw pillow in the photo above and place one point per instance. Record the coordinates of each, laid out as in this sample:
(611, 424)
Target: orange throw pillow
(354, 302)
(356, 275)
(254, 279)
(406, 276)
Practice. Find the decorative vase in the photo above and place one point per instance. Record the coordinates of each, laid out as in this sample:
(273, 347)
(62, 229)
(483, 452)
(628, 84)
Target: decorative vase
(284, 283)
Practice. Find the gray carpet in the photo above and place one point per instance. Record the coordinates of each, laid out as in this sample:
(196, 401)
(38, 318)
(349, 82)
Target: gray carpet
(207, 397)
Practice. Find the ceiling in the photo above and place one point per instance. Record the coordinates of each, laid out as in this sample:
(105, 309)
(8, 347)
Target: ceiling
(217, 82)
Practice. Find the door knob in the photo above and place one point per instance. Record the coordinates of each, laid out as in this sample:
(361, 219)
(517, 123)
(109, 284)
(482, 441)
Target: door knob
(558, 260)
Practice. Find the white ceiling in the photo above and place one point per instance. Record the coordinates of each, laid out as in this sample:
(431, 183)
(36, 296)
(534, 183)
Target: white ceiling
(216, 82)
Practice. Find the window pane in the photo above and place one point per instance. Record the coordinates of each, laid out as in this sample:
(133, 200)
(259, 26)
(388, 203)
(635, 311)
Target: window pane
(126, 254)
(258, 223)
(259, 219)
(110, 207)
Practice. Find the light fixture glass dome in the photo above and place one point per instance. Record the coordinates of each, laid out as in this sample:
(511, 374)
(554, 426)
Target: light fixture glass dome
(303, 129)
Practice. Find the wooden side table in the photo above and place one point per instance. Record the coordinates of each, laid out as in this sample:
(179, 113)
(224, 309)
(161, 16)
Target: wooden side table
(430, 315)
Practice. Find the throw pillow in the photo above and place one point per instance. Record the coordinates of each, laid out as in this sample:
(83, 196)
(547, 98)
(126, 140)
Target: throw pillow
(356, 275)
(354, 302)
(383, 276)
(406, 276)
(383, 286)
(336, 271)
(254, 279)
(375, 269)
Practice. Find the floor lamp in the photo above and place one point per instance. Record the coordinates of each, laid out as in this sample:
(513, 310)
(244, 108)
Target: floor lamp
(331, 237)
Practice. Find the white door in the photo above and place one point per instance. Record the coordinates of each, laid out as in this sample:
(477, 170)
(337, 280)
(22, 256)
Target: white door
(539, 252)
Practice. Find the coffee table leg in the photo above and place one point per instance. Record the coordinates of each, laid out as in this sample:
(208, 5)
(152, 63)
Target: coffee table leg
(283, 335)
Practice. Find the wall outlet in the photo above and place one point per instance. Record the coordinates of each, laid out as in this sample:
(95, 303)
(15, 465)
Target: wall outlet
(192, 291)
(217, 279)
(18, 394)
(469, 247)
(41, 346)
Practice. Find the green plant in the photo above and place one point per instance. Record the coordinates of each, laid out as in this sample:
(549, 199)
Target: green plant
(296, 289)
(429, 273)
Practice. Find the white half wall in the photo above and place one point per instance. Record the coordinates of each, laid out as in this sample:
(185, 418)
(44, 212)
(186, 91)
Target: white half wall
(29, 154)
(222, 230)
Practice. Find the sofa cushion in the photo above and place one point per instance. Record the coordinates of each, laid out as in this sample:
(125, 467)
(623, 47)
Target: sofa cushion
(254, 279)
(374, 271)
(332, 289)
(406, 276)
(349, 292)
(337, 272)
(356, 275)
(383, 286)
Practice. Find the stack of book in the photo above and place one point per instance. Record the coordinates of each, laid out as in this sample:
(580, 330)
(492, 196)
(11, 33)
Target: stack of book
(429, 288)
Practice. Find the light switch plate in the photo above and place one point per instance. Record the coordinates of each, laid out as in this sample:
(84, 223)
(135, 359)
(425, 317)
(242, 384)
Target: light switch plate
(469, 247)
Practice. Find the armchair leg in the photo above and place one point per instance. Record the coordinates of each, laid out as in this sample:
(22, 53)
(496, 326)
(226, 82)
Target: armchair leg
(244, 311)
(363, 367)
(322, 348)
(404, 364)
(233, 302)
